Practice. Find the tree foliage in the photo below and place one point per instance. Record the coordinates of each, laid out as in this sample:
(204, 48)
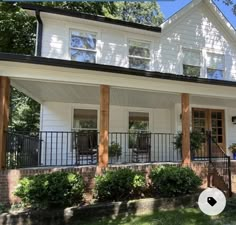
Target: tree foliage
(230, 3)
(147, 13)
(17, 30)
(25, 112)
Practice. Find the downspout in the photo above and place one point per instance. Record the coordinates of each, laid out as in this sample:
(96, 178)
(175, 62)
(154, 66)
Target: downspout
(39, 35)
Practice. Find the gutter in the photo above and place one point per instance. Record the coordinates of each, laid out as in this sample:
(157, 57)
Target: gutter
(39, 36)
(92, 17)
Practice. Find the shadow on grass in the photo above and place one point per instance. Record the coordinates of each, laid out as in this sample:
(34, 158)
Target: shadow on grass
(187, 216)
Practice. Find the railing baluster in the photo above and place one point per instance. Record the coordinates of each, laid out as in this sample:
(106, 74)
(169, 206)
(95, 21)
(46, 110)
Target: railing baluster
(51, 151)
(45, 159)
(56, 146)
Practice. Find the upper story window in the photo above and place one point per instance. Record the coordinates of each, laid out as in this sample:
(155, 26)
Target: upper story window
(191, 63)
(215, 66)
(85, 119)
(139, 55)
(83, 46)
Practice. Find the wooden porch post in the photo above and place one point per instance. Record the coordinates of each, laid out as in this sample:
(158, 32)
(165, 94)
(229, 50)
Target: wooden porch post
(186, 157)
(104, 126)
(4, 117)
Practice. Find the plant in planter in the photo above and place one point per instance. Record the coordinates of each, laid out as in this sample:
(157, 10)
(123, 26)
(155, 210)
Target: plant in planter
(196, 140)
(114, 150)
(232, 148)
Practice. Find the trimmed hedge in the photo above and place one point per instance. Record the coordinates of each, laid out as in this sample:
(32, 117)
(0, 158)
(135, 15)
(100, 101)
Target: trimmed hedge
(51, 190)
(121, 184)
(170, 181)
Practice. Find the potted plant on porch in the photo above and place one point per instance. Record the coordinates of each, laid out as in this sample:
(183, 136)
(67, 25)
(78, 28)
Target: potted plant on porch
(114, 152)
(196, 140)
(232, 148)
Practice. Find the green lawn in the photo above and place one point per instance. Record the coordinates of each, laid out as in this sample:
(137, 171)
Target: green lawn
(187, 216)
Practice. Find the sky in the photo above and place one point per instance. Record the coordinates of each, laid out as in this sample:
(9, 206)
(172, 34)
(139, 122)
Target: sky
(169, 7)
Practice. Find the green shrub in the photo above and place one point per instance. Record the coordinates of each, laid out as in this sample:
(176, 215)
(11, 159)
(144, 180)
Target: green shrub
(121, 184)
(47, 190)
(196, 140)
(169, 181)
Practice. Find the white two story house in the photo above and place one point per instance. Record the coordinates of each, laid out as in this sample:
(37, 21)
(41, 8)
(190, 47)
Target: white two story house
(106, 85)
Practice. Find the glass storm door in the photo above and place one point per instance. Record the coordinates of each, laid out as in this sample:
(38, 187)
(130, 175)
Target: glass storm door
(212, 120)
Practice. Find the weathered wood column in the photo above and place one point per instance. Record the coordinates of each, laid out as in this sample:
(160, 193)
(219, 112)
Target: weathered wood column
(104, 126)
(4, 117)
(186, 157)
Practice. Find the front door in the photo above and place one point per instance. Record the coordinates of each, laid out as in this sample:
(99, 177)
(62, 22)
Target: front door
(209, 119)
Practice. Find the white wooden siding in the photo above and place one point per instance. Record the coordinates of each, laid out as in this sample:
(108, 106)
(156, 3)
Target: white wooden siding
(57, 116)
(198, 29)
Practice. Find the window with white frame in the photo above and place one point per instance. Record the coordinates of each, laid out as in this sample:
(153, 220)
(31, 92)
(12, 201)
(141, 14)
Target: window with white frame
(138, 121)
(85, 119)
(215, 66)
(139, 55)
(83, 46)
(191, 63)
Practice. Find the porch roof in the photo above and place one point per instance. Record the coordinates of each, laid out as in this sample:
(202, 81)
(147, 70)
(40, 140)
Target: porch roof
(108, 68)
(22, 68)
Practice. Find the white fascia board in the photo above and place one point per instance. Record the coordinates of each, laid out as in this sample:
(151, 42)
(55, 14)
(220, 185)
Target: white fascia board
(226, 24)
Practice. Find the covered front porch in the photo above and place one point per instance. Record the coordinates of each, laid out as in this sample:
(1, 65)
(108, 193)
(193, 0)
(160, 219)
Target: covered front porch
(91, 117)
(140, 126)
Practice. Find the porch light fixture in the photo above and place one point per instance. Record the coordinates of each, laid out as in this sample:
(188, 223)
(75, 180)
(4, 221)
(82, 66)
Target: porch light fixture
(234, 119)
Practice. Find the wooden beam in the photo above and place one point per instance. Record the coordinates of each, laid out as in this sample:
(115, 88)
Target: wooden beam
(186, 156)
(4, 117)
(104, 126)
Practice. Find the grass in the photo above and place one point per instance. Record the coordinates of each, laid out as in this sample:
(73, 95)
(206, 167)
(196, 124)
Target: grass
(185, 216)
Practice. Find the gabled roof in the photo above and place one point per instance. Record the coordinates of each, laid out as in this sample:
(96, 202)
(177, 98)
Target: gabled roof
(87, 16)
(211, 6)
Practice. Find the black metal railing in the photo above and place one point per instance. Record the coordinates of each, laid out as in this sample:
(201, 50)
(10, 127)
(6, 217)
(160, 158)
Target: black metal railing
(142, 148)
(52, 148)
(219, 160)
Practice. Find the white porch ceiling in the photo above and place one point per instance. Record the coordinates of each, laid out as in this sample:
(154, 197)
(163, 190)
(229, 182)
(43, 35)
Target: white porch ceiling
(85, 94)
(47, 91)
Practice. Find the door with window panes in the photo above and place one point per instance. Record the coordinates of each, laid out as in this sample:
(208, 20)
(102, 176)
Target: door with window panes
(212, 120)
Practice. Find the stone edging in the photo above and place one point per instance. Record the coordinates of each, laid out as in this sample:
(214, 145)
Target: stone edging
(73, 215)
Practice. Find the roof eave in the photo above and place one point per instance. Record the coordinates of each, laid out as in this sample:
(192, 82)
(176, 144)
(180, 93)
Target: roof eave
(102, 19)
(110, 69)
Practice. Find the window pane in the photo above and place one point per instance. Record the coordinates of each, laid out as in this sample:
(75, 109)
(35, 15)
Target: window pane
(83, 56)
(141, 64)
(85, 119)
(137, 51)
(193, 71)
(215, 61)
(88, 41)
(138, 121)
(139, 44)
(191, 57)
(141, 49)
(215, 74)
